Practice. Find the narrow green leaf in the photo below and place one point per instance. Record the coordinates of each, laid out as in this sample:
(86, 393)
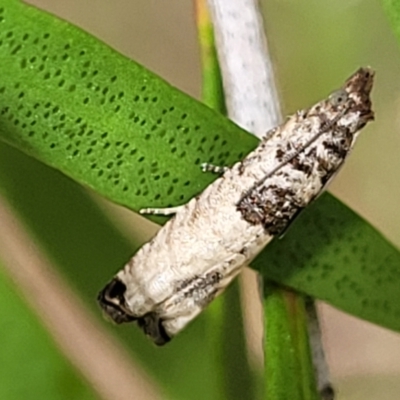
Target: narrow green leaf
(289, 371)
(212, 88)
(81, 107)
(32, 366)
(236, 380)
(392, 8)
(333, 254)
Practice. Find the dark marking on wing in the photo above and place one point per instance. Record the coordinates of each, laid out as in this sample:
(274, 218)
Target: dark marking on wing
(271, 206)
(200, 288)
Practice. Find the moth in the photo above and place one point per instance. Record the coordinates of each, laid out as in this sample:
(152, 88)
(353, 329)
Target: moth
(199, 251)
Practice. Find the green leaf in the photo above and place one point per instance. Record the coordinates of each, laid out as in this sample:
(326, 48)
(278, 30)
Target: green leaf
(392, 8)
(235, 379)
(33, 367)
(212, 87)
(289, 372)
(79, 106)
(333, 254)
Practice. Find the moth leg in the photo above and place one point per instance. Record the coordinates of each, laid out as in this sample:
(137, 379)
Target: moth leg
(205, 167)
(161, 211)
(216, 169)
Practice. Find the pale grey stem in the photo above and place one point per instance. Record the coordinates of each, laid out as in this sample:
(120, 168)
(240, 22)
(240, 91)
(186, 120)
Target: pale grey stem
(247, 74)
(318, 355)
(252, 102)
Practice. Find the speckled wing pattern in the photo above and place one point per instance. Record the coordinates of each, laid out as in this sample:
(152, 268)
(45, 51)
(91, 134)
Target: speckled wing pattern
(192, 259)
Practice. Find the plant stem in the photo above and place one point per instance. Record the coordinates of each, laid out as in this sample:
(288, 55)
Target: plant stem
(321, 368)
(235, 378)
(252, 102)
(249, 85)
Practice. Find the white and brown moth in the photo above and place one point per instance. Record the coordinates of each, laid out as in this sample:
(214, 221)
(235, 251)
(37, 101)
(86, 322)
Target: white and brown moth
(192, 259)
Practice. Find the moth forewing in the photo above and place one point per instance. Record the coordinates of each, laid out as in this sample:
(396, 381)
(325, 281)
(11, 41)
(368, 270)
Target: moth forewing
(171, 279)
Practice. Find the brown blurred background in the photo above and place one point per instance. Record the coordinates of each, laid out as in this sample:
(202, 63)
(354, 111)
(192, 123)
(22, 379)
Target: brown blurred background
(315, 45)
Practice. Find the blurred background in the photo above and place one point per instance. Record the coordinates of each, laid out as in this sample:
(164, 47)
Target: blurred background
(315, 45)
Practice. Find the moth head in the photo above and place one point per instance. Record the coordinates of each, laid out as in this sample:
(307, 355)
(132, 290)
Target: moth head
(113, 303)
(355, 96)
